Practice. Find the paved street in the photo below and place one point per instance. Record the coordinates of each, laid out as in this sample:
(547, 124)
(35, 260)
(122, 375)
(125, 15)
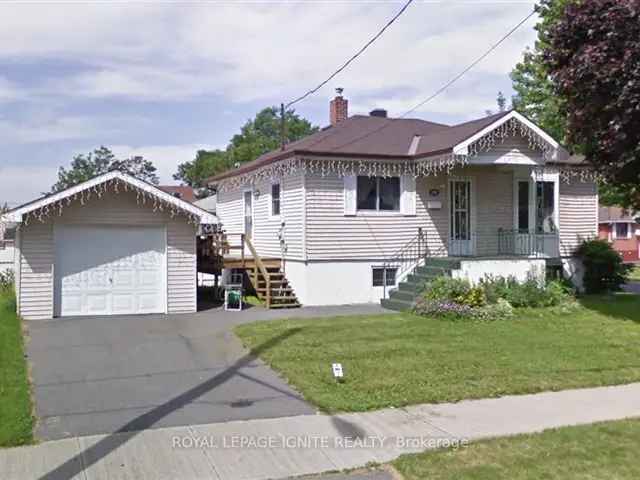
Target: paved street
(97, 375)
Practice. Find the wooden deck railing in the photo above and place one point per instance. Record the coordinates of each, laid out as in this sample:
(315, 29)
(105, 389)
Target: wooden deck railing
(258, 265)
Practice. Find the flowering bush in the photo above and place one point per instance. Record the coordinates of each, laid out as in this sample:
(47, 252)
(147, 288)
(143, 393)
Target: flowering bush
(491, 299)
(7, 280)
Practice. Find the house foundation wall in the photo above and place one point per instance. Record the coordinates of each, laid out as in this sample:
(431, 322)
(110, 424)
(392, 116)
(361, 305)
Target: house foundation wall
(334, 283)
(521, 269)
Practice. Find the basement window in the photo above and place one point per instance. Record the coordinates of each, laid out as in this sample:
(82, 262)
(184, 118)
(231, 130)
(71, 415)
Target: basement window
(384, 276)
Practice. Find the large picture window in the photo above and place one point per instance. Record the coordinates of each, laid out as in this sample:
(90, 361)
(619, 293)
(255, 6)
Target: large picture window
(379, 193)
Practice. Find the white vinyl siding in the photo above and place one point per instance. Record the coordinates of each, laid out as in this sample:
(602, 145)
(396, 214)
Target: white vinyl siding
(37, 250)
(36, 271)
(181, 265)
(230, 211)
(578, 214)
(494, 207)
(332, 235)
(513, 150)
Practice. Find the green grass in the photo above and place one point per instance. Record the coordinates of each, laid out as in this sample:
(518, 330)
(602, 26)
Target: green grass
(16, 421)
(635, 274)
(605, 450)
(402, 359)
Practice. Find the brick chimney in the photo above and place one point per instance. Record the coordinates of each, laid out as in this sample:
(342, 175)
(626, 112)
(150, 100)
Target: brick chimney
(338, 108)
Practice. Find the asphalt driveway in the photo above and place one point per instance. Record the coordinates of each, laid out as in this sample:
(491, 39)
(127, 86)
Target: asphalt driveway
(124, 373)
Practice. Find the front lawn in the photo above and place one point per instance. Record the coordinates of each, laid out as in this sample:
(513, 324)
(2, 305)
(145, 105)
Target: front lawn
(634, 275)
(16, 421)
(605, 450)
(402, 359)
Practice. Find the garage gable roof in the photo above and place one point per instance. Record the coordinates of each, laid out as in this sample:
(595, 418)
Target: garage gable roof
(17, 214)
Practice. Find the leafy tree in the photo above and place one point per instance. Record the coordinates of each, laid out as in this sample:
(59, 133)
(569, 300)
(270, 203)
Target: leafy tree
(535, 97)
(257, 136)
(101, 160)
(592, 54)
(205, 165)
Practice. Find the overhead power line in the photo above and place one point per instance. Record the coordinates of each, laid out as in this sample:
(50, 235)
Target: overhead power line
(446, 85)
(476, 62)
(350, 60)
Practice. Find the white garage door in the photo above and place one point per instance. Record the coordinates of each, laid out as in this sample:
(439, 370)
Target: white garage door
(109, 270)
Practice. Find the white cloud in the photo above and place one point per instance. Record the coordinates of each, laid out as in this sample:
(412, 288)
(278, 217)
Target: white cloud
(166, 158)
(22, 183)
(248, 52)
(51, 128)
(9, 91)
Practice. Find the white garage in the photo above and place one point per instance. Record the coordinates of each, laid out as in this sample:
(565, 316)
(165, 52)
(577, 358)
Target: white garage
(107, 270)
(111, 246)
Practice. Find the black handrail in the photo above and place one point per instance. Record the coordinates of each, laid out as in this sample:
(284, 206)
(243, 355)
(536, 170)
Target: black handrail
(405, 258)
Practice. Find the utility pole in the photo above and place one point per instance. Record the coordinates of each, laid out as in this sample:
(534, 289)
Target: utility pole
(283, 132)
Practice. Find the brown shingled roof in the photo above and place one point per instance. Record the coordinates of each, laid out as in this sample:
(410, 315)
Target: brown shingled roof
(373, 137)
(615, 214)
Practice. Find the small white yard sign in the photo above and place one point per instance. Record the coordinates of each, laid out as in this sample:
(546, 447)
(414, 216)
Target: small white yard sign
(337, 370)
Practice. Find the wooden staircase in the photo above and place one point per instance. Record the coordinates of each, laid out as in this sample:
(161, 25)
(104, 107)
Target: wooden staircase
(266, 276)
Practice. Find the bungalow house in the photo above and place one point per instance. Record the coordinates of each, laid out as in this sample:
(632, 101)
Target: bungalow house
(622, 229)
(111, 245)
(353, 209)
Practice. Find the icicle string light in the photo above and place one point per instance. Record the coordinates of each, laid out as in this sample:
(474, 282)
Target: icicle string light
(116, 186)
(417, 168)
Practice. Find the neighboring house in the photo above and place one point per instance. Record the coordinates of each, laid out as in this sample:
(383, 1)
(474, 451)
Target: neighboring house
(6, 248)
(182, 192)
(621, 228)
(111, 245)
(343, 207)
(208, 203)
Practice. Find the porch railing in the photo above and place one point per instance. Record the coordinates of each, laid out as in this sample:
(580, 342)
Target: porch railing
(405, 259)
(505, 242)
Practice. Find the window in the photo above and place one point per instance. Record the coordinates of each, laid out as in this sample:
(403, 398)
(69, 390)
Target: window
(545, 204)
(523, 207)
(379, 193)
(382, 275)
(275, 199)
(622, 230)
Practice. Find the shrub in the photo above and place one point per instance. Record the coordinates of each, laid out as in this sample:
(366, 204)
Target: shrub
(527, 294)
(442, 308)
(495, 311)
(455, 290)
(604, 270)
(7, 280)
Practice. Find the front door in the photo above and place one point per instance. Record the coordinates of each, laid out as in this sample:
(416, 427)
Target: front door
(460, 221)
(248, 213)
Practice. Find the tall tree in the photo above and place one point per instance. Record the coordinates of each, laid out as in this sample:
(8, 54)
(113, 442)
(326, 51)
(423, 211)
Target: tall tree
(101, 160)
(257, 136)
(535, 97)
(205, 165)
(592, 54)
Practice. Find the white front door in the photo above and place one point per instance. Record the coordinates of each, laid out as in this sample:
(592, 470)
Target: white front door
(105, 270)
(248, 213)
(460, 218)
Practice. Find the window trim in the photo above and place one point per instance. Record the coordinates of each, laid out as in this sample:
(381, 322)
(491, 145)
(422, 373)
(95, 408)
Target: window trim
(377, 210)
(533, 178)
(615, 231)
(384, 276)
(271, 214)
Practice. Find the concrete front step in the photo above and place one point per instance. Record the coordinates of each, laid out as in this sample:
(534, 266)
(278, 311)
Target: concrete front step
(403, 295)
(432, 271)
(397, 305)
(445, 262)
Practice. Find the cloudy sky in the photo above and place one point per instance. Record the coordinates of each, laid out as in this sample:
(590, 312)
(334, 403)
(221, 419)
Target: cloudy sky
(163, 79)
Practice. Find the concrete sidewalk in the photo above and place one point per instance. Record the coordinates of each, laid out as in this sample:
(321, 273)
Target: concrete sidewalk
(303, 445)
